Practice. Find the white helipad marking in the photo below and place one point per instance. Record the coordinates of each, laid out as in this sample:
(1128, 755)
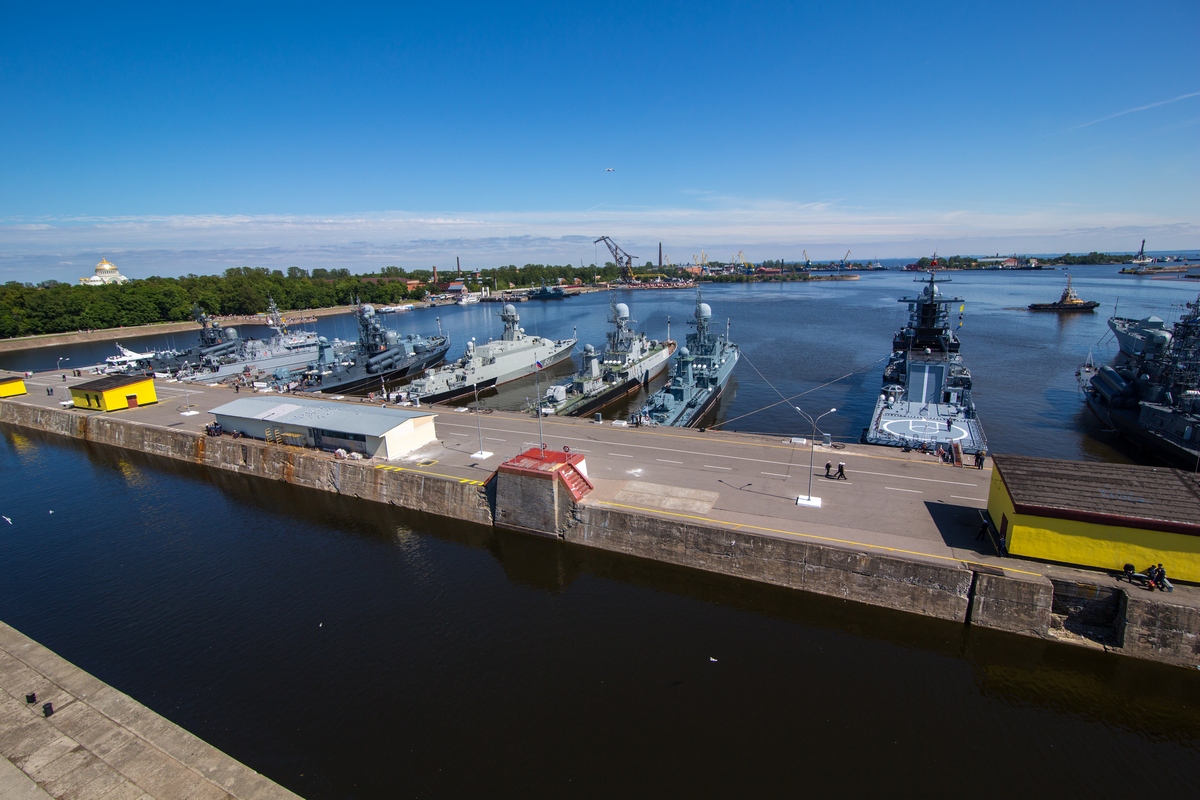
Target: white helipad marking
(923, 427)
(894, 489)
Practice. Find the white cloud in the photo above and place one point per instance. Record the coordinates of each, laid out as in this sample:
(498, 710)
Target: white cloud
(35, 249)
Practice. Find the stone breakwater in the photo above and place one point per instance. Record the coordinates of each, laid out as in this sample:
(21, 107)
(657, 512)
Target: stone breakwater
(1006, 600)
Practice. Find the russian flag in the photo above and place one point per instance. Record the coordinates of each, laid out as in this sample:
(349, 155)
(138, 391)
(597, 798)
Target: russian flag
(537, 364)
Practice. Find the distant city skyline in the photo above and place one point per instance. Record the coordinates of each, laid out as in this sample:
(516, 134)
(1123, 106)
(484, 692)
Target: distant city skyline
(193, 140)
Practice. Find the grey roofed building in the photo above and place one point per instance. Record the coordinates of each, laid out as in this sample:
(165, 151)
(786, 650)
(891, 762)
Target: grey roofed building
(373, 430)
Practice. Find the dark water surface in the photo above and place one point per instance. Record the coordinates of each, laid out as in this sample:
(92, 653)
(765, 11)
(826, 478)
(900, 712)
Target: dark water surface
(349, 650)
(797, 338)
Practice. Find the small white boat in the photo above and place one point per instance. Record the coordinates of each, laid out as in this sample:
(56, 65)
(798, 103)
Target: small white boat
(468, 298)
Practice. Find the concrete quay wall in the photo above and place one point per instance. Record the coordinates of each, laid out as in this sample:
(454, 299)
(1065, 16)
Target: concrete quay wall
(1030, 605)
(879, 580)
(360, 479)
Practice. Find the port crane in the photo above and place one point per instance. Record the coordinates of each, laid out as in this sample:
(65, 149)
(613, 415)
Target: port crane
(844, 259)
(623, 260)
(807, 263)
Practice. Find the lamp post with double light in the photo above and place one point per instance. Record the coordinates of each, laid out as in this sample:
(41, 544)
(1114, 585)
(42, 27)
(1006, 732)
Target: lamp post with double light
(815, 502)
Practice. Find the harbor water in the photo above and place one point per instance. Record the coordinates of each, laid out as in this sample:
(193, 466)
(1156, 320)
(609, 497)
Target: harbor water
(821, 345)
(351, 650)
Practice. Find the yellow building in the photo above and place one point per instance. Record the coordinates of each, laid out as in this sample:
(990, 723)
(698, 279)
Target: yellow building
(1098, 515)
(12, 386)
(115, 392)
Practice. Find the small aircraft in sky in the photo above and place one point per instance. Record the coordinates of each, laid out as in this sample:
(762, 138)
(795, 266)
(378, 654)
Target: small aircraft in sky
(609, 169)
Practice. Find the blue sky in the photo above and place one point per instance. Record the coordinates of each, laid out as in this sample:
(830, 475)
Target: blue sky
(191, 139)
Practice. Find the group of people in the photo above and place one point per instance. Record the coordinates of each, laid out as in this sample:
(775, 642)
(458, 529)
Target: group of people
(840, 475)
(1156, 578)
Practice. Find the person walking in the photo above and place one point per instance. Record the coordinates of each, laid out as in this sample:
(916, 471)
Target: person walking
(828, 467)
(980, 457)
(841, 471)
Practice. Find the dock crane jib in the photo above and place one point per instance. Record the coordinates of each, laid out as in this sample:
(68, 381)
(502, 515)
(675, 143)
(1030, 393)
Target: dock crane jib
(623, 260)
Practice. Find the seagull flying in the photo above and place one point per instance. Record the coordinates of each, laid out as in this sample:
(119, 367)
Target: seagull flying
(609, 169)
(6, 519)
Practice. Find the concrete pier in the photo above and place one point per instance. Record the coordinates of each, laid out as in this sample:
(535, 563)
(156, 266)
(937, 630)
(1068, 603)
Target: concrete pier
(900, 533)
(99, 743)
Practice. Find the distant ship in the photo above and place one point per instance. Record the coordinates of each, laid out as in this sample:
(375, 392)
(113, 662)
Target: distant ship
(514, 355)
(1140, 337)
(128, 362)
(395, 309)
(926, 395)
(548, 293)
(1068, 302)
(1141, 259)
(629, 361)
(468, 298)
(379, 356)
(702, 370)
(1153, 400)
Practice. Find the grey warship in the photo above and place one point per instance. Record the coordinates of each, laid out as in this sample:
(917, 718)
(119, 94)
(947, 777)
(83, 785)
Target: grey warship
(926, 394)
(629, 361)
(1152, 397)
(702, 369)
(380, 355)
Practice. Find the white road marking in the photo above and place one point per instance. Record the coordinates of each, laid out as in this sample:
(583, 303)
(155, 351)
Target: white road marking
(774, 474)
(740, 458)
(457, 434)
(976, 499)
(621, 455)
(710, 466)
(894, 489)
(494, 439)
(667, 461)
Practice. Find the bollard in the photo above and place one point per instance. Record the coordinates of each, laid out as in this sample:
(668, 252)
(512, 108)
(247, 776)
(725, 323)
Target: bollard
(31, 698)
(48, 709)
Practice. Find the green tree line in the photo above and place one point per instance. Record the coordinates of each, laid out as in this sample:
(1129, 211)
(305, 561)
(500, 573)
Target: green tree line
(53, 307)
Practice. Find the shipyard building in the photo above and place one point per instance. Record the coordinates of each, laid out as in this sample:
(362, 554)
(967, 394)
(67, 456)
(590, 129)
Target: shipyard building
(1104, 516)
(373, 431)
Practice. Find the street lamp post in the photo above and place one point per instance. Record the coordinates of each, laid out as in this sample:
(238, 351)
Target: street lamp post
(815, 502)
(58, 366)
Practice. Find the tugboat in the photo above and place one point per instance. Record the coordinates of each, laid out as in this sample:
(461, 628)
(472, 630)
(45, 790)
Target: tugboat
(926, 397)
(1068, 302)
(514, 355)
(1153, 400)
(381, 355)
(629, 362)
(702, 369)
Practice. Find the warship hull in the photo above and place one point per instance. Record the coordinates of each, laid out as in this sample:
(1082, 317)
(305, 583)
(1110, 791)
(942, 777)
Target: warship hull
(358, 380)
(457, 392)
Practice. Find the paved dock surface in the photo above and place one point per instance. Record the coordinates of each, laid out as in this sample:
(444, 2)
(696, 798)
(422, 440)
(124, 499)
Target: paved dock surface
(908, 504)
(99, 744)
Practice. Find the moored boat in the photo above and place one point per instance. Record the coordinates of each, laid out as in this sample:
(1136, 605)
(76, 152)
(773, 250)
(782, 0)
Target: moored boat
(701, 372)
(514, 355)
(629, 361)
(926, 396)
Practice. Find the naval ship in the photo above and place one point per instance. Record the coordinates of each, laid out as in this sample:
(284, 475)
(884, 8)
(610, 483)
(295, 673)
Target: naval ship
(702, 369)
(926, 395)
(629, 361)
(1153, 398)
(514, 355)
(1140, 338)
(379, 356)
(283, 350)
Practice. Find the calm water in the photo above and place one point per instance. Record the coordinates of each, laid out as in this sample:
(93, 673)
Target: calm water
(348, 650)
(824, 345)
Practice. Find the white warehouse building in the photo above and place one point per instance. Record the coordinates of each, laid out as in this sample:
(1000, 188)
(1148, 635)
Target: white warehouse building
(386, 433)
